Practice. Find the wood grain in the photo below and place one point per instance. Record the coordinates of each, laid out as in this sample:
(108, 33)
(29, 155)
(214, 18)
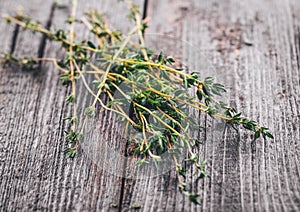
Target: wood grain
(34, 172)
(253, 47)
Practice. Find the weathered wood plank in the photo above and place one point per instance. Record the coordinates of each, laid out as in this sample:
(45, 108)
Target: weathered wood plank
(83, 183)
(20, 182)
(34, 172)
(253, 48)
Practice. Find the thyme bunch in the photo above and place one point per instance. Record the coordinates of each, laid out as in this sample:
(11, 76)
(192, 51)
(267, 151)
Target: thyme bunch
(156, 89)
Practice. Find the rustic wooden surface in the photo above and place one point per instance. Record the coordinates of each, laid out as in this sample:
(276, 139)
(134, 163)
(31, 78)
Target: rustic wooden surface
(252, 46)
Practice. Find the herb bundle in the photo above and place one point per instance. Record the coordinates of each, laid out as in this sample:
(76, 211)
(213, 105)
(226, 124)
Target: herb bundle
(145, 89)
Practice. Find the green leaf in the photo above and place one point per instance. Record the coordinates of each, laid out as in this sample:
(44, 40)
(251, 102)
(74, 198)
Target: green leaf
(182, 187)
(70, 152)
(195, 75)
(215, 91)
(90, 44)
(97, 83)
(72, 136)
(219, 87)
(211, 111)
(202, 175)
(70, 20)
(90, 111)
(170, 60)
(70, 98)
(191, 81)
(193, 198)
(256, 135)
(199, 95)
(102, 34)
(114, 205)
(237, 116)
(66, 79)
(209, 80)
(136, 206)
(71, 119)
(249, 126)
(206, 90)
(193, 158)
(67, 150)
(8, 20)
(181, 171)
(269, 135)
(160, 58)
(207, 101)
(185, 82)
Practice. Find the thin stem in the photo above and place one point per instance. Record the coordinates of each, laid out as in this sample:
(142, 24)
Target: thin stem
(157, 65)
(99, 100)
(54, 61)
(112, 61)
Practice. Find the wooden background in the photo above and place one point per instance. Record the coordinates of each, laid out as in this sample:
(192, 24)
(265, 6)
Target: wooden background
(252, 46)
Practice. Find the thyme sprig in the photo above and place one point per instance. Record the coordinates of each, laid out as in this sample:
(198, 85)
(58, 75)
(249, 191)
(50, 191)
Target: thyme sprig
(156, 88)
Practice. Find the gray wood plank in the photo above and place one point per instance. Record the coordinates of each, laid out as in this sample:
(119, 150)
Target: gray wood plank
(34, 172)
(21, 182)
(253, 48)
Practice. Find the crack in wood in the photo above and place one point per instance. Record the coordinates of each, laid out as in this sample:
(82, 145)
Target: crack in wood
(42, 46)
(14, 39)
(145, 9)
(123, 182)
(298, 48)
